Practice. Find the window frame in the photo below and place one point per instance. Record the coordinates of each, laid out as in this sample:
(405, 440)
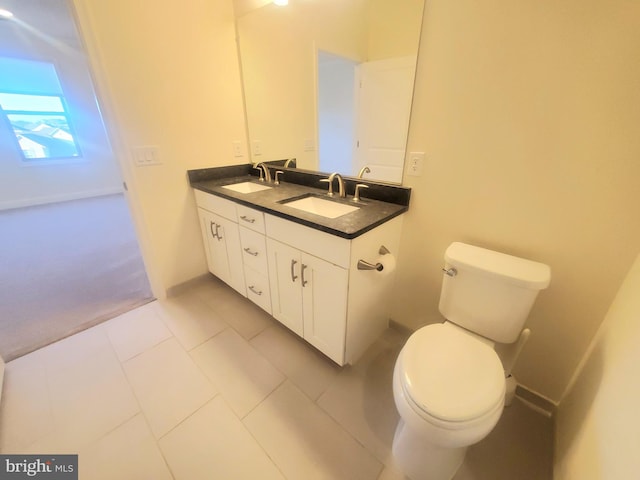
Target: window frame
(40, 113)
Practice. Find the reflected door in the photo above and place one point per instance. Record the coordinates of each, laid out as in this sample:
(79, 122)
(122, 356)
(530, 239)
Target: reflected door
(383, 109)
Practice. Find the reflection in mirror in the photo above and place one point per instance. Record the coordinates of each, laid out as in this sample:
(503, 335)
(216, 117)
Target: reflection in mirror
(330, 82)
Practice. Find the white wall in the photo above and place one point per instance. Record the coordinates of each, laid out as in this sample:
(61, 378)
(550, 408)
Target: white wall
(96, 173)
(528, 116)
(169, 77)
(597, 421)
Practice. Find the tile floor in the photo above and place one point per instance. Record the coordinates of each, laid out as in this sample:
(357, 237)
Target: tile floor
(207, 386)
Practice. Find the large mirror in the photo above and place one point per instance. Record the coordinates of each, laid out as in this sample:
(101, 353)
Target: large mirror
(330, 82)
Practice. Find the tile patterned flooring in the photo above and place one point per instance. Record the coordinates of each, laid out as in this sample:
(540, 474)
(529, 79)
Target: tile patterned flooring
(206, 385)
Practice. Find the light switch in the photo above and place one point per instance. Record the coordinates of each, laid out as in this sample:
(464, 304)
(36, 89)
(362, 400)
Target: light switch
(146, 155)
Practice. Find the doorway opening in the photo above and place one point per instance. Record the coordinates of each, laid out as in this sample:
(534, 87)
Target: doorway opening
(69, 257)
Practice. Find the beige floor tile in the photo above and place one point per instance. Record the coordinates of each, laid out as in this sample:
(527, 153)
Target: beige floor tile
(242, 375)
(128, 452)
(213, 444)
(89, 392)
(361, 399)
(305, 442)
(300, 362)
(168, 385)
(25, 411)
(240, 313)
(190, 319)
(136, 331)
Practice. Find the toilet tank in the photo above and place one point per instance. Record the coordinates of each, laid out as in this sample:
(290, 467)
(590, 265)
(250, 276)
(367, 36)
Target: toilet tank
(490, 293)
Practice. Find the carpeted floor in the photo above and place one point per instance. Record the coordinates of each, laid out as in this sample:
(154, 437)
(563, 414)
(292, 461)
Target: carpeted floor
(65, 267)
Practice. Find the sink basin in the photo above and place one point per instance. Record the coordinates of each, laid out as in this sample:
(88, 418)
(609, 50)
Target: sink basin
(246, 187)
(321, 206)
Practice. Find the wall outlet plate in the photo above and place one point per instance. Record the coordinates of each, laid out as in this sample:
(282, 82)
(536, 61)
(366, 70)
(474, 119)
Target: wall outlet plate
(415, 164)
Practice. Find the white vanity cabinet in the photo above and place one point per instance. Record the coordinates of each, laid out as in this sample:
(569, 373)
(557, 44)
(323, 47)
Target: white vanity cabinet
(309, 296)
(306, 278)
(221, 237)
(318, 292)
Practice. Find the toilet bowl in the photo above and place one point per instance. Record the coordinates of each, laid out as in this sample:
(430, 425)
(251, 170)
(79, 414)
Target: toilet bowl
(449, 388)
(448, 382)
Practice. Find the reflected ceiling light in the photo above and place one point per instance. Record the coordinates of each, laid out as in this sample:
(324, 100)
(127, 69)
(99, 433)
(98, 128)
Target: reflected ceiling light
(5, 14)
(281, 3)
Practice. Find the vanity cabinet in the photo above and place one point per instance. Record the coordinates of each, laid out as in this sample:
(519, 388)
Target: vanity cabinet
(221, 238)
(309, 296)
(306, 278)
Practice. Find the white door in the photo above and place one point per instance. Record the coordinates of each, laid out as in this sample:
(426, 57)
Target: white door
(285, 283)
(325, 291)
(383, 110)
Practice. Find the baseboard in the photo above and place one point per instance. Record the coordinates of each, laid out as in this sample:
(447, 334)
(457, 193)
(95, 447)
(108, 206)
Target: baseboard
(35, 201)
(398, 327)
(536, 401)
(184, 286)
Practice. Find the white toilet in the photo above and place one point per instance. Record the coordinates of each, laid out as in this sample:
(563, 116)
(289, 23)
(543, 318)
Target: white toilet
(448, 382)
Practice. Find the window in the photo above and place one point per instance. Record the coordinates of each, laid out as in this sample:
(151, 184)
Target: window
(31, 100)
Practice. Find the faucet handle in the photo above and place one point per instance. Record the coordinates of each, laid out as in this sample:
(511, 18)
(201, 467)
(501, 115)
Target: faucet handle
(330, 182)
(277, 180)
(356, 196)
(259, 168)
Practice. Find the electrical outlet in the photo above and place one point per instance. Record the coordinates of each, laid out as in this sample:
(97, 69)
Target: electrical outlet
(144, 156)
(256, 147)
(237, 148)
(416, 164)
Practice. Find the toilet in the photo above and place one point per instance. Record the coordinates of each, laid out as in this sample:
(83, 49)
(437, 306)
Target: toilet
(448, 381)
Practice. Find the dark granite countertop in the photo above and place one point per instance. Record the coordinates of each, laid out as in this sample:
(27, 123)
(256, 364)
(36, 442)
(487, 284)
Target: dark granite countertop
(369, 215)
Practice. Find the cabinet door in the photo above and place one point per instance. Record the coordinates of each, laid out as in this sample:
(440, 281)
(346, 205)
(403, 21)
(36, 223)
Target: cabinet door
(222, 244)
(325, 292)
(285, 284)
(214, 245)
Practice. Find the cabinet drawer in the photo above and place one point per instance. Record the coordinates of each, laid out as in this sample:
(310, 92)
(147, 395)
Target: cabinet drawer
(254, 250)
(258, 288)
(250, 218)
(212, 203)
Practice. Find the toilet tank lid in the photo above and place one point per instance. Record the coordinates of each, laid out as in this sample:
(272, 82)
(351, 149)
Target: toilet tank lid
(523, 272)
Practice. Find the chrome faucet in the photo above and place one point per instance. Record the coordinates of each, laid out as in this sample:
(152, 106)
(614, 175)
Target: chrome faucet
(363, 170)
(265, 169)
(341, 191)
(289, 162)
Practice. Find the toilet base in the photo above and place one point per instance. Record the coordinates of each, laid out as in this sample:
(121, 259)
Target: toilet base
(421, 460)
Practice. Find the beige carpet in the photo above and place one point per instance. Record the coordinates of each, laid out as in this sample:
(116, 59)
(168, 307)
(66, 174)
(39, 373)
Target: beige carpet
(65, 267)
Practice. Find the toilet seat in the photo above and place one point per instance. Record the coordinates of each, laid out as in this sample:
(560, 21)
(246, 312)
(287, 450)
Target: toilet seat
(449, 377)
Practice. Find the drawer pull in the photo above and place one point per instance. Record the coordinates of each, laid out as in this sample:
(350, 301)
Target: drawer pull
(247, 219)
(250, 252)
(304, 282)
(254, 290)
(293, 275)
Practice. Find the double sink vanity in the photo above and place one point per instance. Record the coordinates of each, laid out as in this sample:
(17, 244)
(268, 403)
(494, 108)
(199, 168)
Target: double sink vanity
(306, 258)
